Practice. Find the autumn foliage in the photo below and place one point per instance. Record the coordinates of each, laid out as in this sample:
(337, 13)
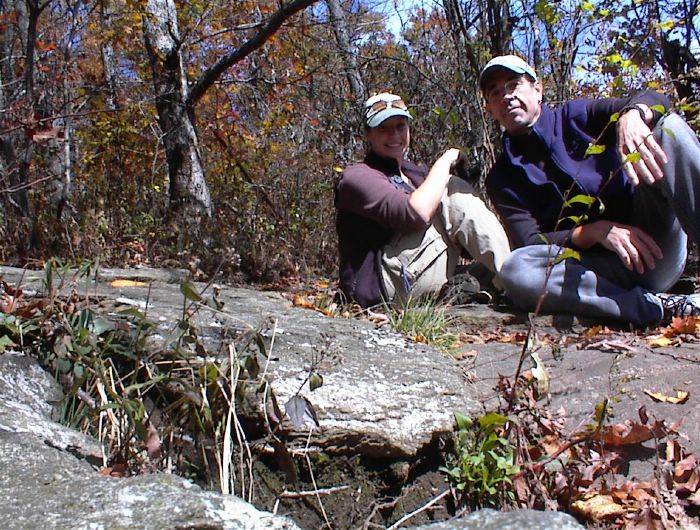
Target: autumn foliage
(90, 171)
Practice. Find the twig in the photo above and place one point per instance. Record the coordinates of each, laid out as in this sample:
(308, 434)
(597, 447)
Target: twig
(375, 509)
(419, 510)
(301, 494)
(313, 480)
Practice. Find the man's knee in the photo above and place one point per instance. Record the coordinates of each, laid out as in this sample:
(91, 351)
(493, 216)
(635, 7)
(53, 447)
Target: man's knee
(674, 132)
(523, 274)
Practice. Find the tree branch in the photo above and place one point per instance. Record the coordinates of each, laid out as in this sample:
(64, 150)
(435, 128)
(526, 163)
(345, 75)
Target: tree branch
(274, 23)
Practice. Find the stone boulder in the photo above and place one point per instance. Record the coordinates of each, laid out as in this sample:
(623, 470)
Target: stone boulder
(48, 479)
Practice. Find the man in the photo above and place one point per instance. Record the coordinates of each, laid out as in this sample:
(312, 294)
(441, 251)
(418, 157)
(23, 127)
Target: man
(625, 210)
(402, 229)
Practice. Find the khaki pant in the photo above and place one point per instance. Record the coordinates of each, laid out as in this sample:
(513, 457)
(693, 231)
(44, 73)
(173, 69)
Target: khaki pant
(420, 263)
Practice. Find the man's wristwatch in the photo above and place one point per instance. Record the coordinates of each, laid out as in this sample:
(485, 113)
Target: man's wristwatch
(637, 107)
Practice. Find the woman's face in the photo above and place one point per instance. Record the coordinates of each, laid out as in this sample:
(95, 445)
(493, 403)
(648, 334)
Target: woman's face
(390, 139)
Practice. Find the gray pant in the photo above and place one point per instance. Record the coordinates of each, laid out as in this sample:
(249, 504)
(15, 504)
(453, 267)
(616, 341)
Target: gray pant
(599, 286)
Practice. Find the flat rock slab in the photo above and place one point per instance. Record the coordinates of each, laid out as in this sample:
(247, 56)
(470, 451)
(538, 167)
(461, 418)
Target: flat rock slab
(383, 396)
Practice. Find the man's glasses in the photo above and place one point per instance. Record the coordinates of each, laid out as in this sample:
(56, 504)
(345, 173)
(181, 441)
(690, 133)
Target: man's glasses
(509, 87)
(381, 105)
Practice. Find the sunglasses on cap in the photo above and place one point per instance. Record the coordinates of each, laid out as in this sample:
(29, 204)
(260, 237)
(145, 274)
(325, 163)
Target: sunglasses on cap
(382, 104)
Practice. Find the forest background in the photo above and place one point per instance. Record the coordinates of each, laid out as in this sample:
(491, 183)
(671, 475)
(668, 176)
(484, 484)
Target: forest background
(209, 135)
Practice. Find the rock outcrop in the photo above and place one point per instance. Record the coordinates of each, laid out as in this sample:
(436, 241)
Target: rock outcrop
(49, 475)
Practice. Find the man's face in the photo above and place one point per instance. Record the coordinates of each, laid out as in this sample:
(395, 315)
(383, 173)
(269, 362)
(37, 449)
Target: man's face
(390, 138)
(513, 100)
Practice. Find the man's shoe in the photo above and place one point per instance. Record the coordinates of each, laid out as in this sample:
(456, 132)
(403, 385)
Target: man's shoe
(679, 305)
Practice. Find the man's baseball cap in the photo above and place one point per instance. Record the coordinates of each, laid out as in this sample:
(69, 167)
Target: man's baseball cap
(509, 62)
(382, 107)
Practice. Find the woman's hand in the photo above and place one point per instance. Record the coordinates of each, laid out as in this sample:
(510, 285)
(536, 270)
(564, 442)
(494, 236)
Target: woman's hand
(426, 198)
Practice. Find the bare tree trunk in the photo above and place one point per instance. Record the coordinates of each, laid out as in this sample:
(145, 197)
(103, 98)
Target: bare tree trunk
(188, 187)
(499, 25)
(347, 53)
(107, 55)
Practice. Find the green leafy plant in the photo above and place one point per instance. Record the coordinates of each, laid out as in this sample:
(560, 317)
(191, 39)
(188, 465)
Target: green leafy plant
(483, 464)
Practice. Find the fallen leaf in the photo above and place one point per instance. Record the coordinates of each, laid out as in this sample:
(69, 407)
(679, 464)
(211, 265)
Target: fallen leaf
(465, 354)
(682, 325)
(630, 433)
(300, 301)
(539, 372)
(592, 331)
(127, 283)
(660, 342)
(673, 451)
(680, 397)
(597, 507)
(116, 470)
(694, 498)
(152, 441)
(686, 471)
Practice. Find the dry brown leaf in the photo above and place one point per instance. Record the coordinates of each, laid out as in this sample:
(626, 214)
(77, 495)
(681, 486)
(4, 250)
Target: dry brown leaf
(468, 338)
(465, 354)
(301, 301)
(682, 325)
(686, 473)
(512, 338)
(630, 433)
(551, 444)
(597, 507)
(592, 331)
(127, 283)
(153, 445)
(661, 342)
(694, 498)
(116, 470)
(673, 451)
(680, 397)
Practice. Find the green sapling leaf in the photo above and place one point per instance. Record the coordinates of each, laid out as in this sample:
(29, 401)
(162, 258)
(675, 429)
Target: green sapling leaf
(190, 292)
(567, 253)
(632, 158)
(580, 199)
(315, 381)
(594, 149)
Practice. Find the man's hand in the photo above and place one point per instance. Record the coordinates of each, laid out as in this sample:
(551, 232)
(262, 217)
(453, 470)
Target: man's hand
(636, 249)
(634, 136)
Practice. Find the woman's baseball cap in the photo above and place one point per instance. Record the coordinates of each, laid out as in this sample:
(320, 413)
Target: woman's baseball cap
(382, 107)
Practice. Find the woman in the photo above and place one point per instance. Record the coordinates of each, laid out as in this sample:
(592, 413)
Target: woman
(401, 228)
